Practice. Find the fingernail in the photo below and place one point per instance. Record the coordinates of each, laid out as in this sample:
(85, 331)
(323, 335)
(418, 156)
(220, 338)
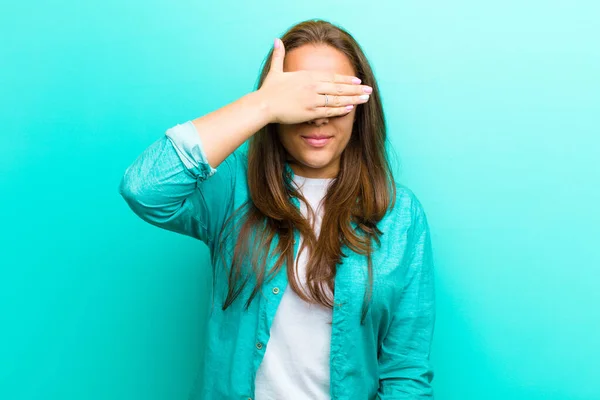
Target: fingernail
(364, 97)
(349, 107)
(368, 89)
(356, 80)
(276, 45)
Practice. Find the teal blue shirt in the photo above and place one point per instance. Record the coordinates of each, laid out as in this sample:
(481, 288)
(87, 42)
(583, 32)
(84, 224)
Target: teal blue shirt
(171, 185)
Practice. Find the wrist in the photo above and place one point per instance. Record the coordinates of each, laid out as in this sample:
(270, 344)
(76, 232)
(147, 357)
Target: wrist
(263, 107)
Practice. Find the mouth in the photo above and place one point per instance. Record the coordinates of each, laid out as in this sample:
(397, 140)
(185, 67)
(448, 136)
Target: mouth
(317, 141)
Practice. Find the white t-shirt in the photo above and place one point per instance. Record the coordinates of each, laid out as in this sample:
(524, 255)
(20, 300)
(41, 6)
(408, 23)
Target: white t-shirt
(296, 361)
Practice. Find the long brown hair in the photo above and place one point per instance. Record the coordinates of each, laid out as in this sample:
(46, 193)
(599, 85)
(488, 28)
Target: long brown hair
(360, 191)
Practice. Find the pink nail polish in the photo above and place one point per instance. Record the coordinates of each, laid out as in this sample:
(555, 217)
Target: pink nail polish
(356, 80)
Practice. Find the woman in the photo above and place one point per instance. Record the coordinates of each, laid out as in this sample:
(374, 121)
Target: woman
(312, 204)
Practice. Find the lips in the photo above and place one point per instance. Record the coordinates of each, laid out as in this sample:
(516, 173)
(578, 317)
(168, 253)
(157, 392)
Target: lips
(317, 137)
(316, 141)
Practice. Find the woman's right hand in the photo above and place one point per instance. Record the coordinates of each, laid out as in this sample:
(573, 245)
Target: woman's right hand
(294, 97)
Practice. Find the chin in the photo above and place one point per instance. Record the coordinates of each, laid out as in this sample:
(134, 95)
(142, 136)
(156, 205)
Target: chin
(314, 162)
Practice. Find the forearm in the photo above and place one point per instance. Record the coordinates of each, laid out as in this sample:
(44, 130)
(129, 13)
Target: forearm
(224, 130)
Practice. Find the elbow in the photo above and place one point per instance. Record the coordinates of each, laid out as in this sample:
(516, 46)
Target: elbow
(134, 193)
(147, 201)
(129, 188)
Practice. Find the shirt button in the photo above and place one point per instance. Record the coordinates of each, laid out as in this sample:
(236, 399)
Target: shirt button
(275, 290)
(259, 345)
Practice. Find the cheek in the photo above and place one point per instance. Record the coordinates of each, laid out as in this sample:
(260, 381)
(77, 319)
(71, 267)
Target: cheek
(345, 125)
(286, 131)
(286, 136)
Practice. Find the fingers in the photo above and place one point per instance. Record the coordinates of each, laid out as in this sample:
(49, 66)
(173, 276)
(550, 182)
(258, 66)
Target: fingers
(278, 56)
(329, 112)
(342, 89)
(335, 78)
(340, 101)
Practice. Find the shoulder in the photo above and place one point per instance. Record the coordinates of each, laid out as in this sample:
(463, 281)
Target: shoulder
(407, 204)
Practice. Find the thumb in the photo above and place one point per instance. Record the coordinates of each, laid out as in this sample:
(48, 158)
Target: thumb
(278, 56)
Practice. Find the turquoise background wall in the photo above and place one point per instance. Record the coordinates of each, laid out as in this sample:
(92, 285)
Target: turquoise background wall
(493, 110)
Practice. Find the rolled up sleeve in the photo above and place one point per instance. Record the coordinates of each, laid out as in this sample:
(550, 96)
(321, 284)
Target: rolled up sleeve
(165, 187)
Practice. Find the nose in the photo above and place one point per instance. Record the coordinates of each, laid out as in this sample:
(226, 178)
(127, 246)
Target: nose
(319, 121)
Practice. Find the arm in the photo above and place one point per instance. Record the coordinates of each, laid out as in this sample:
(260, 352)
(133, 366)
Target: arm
(175, 185)
(405, 371)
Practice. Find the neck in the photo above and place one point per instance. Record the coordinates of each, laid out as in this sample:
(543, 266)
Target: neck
(314, 173)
